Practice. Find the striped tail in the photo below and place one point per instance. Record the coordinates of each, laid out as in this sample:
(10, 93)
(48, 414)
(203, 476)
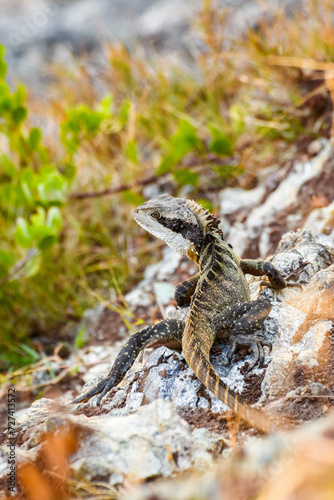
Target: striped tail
(206, 373)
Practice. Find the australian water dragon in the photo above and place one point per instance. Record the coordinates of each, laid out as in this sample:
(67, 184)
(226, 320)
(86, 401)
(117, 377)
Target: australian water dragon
(218, 297)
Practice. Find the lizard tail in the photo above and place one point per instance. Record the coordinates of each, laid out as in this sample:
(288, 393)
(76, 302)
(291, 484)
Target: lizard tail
(205, 372)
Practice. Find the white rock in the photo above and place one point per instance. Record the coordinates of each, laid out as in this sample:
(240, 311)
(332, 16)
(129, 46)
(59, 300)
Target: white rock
(321, 220)
(154, 441)
(255, 219)
(234, 199)
(160, 272)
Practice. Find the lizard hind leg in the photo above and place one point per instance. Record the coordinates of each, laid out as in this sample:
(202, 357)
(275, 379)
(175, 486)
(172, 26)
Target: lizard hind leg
(242, 321)
(168, 332)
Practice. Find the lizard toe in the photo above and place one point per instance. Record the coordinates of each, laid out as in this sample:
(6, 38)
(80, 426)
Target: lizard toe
(254, 343)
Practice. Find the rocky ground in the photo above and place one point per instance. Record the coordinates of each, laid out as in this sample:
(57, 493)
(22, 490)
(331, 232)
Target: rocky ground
(160, 422)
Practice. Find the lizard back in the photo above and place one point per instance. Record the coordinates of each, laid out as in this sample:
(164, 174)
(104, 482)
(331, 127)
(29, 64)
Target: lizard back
(190, 229)
(221, 285)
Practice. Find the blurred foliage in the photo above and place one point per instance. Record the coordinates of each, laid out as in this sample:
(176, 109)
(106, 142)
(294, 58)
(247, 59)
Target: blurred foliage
(158, 126)
(32, 193)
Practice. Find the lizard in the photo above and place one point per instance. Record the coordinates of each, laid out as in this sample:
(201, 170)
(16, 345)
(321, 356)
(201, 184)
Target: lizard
(218, 297)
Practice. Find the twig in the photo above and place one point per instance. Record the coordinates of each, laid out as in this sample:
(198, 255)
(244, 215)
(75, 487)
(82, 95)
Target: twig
(118, 189)
(211, 158)
(32, 252)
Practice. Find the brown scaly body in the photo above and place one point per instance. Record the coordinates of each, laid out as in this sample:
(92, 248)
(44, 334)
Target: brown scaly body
(218, 297)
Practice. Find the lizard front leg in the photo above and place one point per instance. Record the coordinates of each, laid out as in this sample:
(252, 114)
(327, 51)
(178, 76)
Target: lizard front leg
(260, 268)
(185, 290)
(167, 332)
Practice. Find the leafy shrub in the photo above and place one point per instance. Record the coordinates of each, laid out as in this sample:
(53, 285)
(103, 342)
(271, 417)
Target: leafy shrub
(32, 194)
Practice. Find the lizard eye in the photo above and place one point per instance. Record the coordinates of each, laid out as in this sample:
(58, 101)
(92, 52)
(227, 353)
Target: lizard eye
(155, 214)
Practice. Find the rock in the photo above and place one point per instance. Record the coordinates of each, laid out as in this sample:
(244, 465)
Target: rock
(290, 465)
(164, 292)
(321, 220)
(235, 199)
(254, 226)
(153, 442)
(156, 284)
(304, 325)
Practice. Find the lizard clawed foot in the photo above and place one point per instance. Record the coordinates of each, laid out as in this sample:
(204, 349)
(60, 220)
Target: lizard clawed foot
(294, 275)
(254, 343)
(267, 284)
(104, 386)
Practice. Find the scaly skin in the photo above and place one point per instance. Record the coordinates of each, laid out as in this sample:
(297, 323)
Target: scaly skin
(218, 297)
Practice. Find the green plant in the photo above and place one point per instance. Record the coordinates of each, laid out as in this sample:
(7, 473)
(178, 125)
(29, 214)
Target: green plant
(32, 194)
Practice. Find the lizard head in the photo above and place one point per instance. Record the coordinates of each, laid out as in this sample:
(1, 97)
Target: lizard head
(179, 222)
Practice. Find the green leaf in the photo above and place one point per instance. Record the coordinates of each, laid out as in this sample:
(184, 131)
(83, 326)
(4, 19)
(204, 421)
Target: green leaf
(184, 140)
(52, 186)
(32, 267)
(6, 258)
(185, 176)
(27, 193)
(80, 339)
(166, 165)
(11, 197)
(133, 198)
(131, 152)
(20, 114)
(47, 242)
(38, 219)
(32, 353)
(7, 261)
(22, 233)
(83, 123)
(20, 96)
(205, 203)
(3, 65)
(7, 104)
(124, 111)
(54, 219)
(68, 171)
(41, 232)
(92, 121)
(220, 144)
(106, 105)
(28, 176)
(7, 166)
(35, 136)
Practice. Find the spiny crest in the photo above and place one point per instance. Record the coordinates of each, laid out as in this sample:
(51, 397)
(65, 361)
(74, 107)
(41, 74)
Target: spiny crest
(205, 218)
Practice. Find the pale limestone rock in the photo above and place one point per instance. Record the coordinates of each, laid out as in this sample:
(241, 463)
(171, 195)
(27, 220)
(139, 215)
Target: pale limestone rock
(152, 442)
(255, 218)
(302, 344)
(274, 460)
(321, 220)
